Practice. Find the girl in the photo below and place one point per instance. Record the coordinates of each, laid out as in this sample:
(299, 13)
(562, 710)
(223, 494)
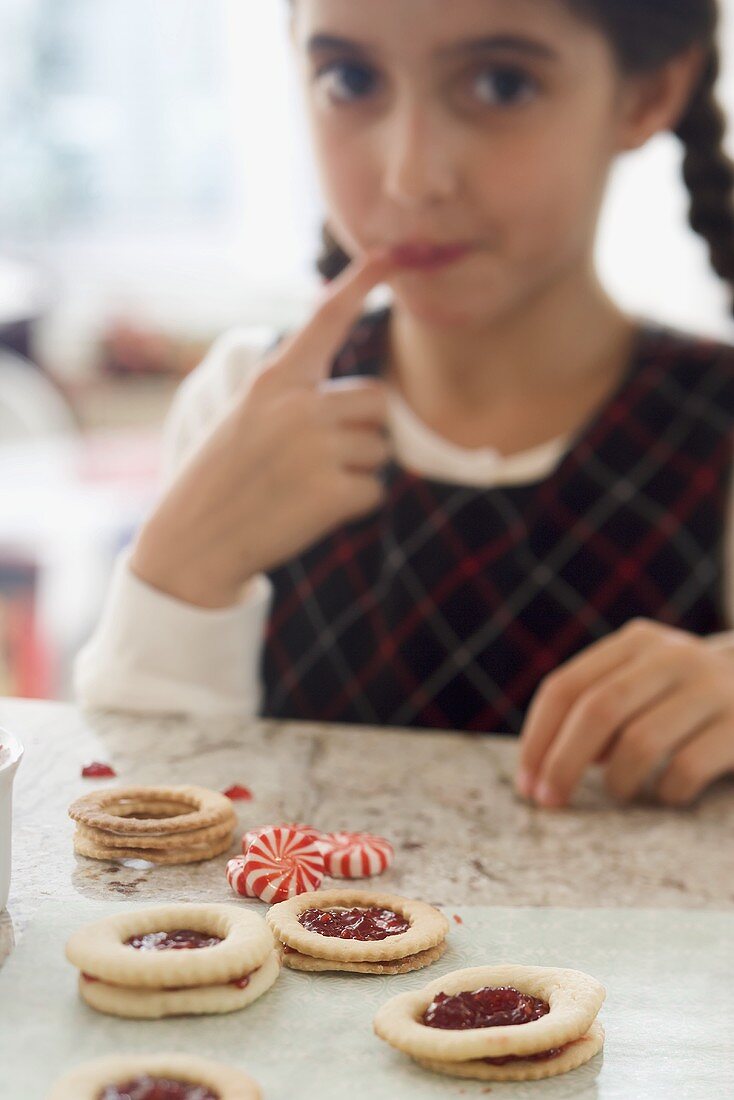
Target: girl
(502, 483)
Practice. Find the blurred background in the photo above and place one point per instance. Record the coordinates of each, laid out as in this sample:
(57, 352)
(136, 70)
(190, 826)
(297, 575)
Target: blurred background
(156, 189)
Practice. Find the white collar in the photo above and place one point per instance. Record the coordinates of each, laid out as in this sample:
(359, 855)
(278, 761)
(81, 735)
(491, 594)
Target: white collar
(426, 452)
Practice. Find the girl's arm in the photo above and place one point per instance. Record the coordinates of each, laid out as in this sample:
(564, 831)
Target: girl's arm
(285, 458)
(150, 651)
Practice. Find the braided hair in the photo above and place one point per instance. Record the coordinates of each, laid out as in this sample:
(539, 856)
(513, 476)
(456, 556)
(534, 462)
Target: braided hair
(646, 34)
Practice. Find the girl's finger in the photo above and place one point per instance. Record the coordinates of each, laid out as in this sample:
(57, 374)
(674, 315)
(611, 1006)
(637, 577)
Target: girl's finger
(648, 741)
(365, 493)
(707, 757)
(354, 401)
(559, 692)
(362, 450)
(597, 716)
(304, 358)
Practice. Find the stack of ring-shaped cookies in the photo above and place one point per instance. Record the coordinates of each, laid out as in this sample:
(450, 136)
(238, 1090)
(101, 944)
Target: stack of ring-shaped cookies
(158, 824)
(174, 960)
(498, 1023)
(358, 930)
(175, 1076)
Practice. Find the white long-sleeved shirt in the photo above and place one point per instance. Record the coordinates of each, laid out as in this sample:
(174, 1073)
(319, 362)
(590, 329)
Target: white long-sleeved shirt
(153, 653)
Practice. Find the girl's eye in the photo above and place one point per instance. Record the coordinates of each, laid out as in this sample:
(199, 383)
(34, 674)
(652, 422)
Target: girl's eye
(346, 81)
(505, 87)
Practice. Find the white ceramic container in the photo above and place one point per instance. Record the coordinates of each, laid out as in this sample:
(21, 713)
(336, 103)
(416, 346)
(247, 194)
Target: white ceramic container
(11, 752)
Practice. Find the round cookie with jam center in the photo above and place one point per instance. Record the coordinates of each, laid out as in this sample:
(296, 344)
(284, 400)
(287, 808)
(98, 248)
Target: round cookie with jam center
(498, 1023)
(200, 1000)
(531, 1067)
(185, 1078)
(357, 930)
(174, 960)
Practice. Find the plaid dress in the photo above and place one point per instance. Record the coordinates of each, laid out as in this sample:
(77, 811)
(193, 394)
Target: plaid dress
(449, 605)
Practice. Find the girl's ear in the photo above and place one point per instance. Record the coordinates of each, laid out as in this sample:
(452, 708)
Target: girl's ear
(655, 102)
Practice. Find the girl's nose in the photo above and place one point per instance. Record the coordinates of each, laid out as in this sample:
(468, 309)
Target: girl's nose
(418, 166)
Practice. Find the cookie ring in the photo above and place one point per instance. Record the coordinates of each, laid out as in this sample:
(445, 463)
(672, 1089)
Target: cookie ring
(155, 1004)
(428, 926)
(578, 1053)
(574, 998)
(99, 949)
(87, 1081)
(163, 856)
(109, 809)
(162, 842)
(150, 809)
(295, 961)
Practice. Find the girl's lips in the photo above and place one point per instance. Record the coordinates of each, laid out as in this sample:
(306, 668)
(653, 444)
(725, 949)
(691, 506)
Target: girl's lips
(426, 255)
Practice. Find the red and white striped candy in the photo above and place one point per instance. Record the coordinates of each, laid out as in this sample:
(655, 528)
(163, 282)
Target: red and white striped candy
(280, 863)
(236, 876)
(357, 855)
(321, 838)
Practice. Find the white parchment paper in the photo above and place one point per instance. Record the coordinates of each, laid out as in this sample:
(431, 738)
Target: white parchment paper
(669, 1014)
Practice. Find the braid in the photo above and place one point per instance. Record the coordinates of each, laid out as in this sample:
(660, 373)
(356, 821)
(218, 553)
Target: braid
(332, 258)
(709, 173)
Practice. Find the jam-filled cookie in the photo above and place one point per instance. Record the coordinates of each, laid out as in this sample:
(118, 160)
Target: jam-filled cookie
(174, 960)
(358, 930)
(153, 1076)
(498, 1023)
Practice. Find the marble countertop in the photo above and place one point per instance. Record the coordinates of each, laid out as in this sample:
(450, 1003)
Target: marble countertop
(445, 800)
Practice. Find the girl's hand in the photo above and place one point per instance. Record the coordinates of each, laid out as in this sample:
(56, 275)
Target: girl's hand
(649, 702)
(295, 457)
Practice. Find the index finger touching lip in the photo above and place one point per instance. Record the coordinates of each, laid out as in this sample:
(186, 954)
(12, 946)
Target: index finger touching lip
(344, 295)
(306, 353)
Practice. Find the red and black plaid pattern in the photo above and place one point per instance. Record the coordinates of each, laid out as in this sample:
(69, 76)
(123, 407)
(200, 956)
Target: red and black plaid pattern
(448, 606)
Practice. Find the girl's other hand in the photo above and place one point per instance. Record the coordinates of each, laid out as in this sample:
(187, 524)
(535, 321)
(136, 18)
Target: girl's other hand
(295, 457)
(651, 703)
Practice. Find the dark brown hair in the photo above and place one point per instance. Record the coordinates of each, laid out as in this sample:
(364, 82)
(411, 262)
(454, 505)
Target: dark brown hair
(646, 34)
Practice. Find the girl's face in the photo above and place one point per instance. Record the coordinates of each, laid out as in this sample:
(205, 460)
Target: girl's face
(490, 124)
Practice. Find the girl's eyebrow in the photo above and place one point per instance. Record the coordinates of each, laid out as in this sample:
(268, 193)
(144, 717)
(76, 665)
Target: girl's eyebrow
(516, 42)
(318, 43)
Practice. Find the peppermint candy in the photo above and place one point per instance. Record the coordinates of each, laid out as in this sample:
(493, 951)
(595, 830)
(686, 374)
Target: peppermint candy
(280, 862)
(236, 876)
(357, 855)
(321, 838)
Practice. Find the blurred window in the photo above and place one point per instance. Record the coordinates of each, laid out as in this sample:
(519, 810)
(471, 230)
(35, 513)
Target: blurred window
(148, 122)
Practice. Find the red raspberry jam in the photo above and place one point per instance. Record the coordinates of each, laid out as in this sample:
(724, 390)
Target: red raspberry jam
(157, 1088)
(97, 770)
(485, 1007)
(238, 793)
(542, 1056)
(354, 924)
(183, 939)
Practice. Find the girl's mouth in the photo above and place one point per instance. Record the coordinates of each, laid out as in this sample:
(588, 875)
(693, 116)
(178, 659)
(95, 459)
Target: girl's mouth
(425, 256)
